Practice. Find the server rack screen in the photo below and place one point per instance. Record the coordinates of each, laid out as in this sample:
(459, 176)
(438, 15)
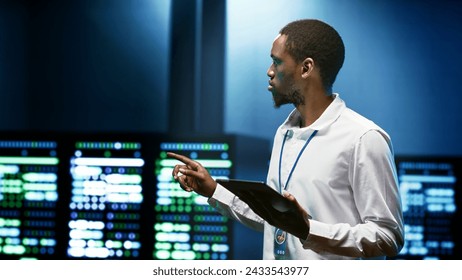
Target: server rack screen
(28, 199)
(428, 196)
(186, 227)
(106, 200)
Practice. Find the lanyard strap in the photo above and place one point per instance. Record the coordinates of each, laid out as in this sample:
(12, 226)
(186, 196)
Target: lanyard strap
(296, 161)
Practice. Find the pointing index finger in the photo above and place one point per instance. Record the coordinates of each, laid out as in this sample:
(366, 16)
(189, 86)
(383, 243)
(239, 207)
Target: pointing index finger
(181, 158)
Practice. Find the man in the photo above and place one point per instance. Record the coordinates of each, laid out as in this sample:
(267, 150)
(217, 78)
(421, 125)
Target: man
(336, 166)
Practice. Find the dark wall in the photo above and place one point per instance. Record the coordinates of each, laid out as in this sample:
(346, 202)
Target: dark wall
(86, 65)
(13, 68)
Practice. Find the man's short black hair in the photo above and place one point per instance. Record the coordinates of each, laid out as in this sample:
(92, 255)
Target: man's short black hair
(319, 41)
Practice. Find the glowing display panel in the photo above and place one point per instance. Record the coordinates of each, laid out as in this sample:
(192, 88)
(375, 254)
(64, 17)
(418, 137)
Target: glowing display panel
(428, 191)
(105, 201)
(186, 227)
(28, 199)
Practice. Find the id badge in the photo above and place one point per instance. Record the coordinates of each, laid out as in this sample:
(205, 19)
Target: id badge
(280, 238)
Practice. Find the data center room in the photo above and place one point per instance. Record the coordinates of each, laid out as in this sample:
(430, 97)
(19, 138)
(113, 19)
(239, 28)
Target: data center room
(94, 93)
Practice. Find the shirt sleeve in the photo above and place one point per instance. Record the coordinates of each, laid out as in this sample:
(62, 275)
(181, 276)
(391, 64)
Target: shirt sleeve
(375, 190)
(231, 206)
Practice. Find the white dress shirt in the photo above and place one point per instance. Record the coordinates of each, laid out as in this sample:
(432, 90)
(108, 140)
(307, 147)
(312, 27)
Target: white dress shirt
(345, 179)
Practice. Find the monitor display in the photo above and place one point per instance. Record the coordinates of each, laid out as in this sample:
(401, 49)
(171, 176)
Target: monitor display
(29, 172)
(186, 227)
(430, 188)
(106, 198)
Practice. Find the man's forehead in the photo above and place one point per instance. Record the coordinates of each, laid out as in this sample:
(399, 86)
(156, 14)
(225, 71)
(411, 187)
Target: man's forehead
(278, 45)
(278, 36)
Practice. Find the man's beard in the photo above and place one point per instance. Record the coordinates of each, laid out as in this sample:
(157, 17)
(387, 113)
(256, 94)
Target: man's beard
(292, 97)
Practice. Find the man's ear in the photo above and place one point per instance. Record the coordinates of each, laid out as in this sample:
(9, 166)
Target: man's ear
(307, 67)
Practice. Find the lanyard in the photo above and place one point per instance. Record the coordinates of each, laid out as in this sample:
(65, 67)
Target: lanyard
(296, 161)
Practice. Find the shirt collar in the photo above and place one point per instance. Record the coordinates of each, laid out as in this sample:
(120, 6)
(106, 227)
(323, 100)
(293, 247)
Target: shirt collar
(332, 112)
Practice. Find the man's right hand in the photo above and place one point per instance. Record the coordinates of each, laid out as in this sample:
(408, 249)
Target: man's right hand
(192, 176)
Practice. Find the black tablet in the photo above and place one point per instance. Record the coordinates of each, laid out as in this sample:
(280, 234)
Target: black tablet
(269, 205)
(258, 195)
